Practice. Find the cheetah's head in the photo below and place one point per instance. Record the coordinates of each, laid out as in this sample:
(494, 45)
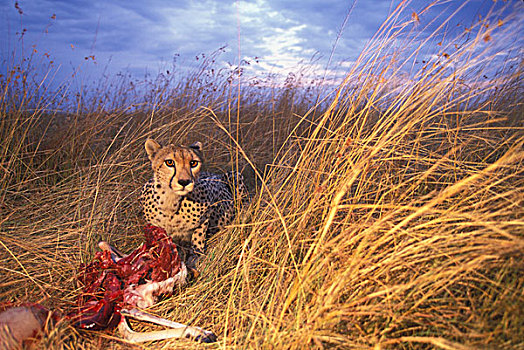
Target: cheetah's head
(175, 167)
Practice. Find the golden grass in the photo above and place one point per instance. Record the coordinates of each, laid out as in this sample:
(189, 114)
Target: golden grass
(389, 216)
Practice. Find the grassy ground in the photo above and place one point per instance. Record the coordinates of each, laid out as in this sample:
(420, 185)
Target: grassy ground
(390, 215)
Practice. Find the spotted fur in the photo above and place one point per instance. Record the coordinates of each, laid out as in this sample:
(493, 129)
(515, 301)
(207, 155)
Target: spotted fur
(189, 204)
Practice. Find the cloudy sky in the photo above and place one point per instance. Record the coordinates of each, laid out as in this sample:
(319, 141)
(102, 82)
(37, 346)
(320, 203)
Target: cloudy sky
(138, 36)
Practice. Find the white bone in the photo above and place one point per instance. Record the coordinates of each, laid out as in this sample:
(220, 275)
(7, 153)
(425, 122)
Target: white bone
(178, 330)
(115, 253)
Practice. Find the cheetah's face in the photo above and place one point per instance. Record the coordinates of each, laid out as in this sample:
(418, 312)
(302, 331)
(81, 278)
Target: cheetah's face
(175, 167)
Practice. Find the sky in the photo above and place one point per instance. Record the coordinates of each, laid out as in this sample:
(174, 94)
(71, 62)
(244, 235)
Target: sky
(140, 37)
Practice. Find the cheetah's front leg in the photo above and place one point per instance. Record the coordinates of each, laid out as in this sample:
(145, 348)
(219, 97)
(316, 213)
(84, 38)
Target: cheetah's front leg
(198, 246)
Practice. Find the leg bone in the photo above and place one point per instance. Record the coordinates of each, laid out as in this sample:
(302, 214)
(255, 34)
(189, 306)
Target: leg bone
(178, 330)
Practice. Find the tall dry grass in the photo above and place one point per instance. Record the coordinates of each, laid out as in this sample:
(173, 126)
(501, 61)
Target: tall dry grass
(388, 216)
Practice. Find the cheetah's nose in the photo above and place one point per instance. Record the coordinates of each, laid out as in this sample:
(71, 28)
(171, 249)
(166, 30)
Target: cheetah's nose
(184, 183)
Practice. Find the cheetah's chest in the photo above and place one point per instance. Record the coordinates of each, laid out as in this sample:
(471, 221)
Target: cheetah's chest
(207, 208)
(188, 216)
(179, 218)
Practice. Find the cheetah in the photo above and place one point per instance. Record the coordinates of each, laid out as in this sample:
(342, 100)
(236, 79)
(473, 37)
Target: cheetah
(189, 204)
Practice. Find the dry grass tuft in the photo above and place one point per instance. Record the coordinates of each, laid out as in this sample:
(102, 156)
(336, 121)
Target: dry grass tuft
(390, 216)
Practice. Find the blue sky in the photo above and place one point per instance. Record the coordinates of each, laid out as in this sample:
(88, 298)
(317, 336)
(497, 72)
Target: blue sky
(139, 36)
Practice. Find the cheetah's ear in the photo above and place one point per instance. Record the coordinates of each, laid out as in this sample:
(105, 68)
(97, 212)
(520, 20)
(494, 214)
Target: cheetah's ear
(152, 147)
(197, 146)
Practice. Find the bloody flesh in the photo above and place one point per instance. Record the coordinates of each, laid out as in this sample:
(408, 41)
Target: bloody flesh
(109, 284)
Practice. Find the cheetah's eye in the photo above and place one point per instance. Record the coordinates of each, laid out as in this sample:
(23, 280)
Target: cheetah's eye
(170, 163)
(193, 163)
